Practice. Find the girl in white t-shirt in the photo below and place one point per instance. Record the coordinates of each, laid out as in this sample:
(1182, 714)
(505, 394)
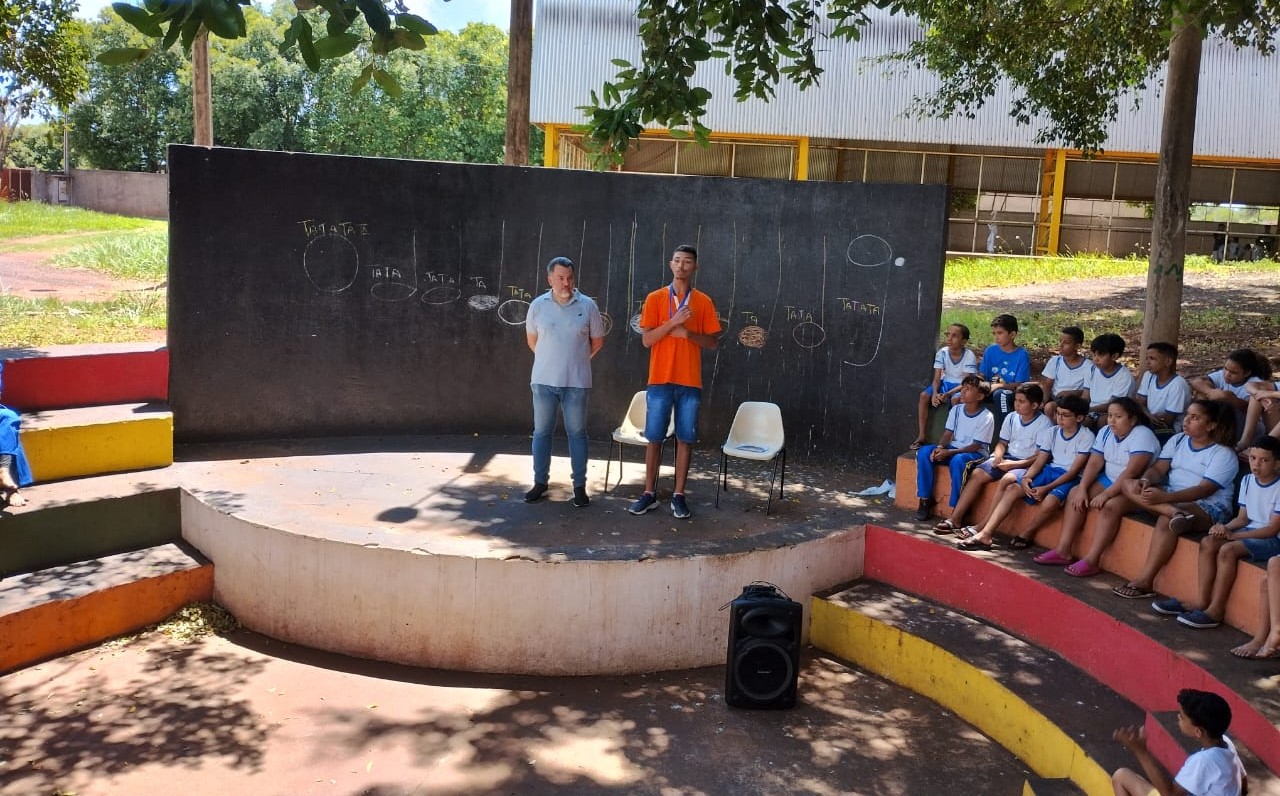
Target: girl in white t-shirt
(1123, 450)
(1230, 383)
(1263, 413)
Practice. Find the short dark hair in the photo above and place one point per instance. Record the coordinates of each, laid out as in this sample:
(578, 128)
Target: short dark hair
(687, 249)
(1006, 322)
(1206, 710)
(1168, 349)
(1267, 443)
(974, 380)
(1077, 405)
(1076, 333)
(1033, 391)
(563, 262)
(1108, 343)
(964, 330)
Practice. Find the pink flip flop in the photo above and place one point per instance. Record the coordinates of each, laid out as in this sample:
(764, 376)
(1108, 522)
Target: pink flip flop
(1082, 569)
(1052, 558)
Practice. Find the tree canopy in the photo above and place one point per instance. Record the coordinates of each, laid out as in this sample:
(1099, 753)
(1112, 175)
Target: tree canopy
(1070, 62)
(41, 60)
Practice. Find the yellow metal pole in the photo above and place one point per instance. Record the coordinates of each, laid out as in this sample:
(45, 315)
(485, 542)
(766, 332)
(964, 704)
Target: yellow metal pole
(802, 159)
(1055, 218)
(551, 146)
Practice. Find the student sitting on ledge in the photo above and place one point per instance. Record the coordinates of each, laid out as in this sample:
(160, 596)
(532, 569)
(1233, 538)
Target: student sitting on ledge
(1121, 451)
(967, 437)
(1162, 393)
(1198, 470)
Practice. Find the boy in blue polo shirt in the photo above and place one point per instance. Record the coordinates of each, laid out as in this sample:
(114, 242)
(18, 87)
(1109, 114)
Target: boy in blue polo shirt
(1005, 364)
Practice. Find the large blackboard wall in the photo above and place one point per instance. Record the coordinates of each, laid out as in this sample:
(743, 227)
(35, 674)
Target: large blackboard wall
(315, 295)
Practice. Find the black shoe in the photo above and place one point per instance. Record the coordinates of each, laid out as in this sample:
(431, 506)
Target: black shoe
(580, 499)
(535, 494)
(926, 506)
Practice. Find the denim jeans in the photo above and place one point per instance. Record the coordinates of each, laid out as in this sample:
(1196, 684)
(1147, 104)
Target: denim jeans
(572, 402)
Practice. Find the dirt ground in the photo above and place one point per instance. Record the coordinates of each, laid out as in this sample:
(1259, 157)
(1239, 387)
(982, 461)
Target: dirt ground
(30, 275)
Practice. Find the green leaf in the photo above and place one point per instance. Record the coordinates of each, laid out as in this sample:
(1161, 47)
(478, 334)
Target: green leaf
(336, 46)
(387, 83)
(175, 28)
(189, 30)
(416, 24)
(138, 18)
(223, 19)
(362, 79)
(375, 13)
(307, 48)
(408, 39)
(621, 64)
(122, 55)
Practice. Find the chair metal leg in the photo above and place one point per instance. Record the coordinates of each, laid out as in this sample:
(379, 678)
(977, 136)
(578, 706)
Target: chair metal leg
(607, 464)
(782, 485)
(720, 477)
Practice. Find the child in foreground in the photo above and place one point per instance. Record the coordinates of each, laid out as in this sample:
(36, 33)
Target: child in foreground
(1213, 770)
(951, 364)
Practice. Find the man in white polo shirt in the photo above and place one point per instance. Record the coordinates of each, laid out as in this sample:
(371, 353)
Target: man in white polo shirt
(564, 331)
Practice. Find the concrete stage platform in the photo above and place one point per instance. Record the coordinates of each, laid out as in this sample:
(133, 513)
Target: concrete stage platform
(420, 550)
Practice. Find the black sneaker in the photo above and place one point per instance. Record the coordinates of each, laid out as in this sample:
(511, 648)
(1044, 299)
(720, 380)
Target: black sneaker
(926, 506)
(680, 508)
(580, 499)
(535, 494)
(647, 502)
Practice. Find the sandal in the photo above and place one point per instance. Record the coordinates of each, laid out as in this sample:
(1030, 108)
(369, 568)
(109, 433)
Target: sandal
(967, 532)
(944, 527)
(1052, 558)
(1019, 543)
(1082, 569)
(1130, 592)
(973, 545)
(1182, 523)
(915, 446)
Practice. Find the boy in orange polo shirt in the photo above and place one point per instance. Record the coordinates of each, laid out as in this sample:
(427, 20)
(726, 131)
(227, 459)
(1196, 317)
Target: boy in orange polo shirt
(677, 323)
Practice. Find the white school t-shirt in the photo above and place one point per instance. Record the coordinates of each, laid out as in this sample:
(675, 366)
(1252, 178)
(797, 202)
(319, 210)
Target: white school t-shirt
(1102, 388)
(967, 429)
(1172, 397)
(1066, 377)
(1062, 449)
(952, 370)
(1260, 501)
(1219, 381)
(1020, 437)
(1216, 771)
(1116, 452)
(1188, 466)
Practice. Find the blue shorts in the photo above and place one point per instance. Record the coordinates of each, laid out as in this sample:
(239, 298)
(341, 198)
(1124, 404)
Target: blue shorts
(989, 468)
(1219, 510)
(1047, 476)
(1262, 550)
(660, 400)
(946, 386)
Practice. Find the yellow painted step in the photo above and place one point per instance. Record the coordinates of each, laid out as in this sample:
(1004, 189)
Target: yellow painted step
(69, 443)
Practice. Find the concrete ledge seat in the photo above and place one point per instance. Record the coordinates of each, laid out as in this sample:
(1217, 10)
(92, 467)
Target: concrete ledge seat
(1124, 558)
(66, 376)
(93, 440)
(53, 611)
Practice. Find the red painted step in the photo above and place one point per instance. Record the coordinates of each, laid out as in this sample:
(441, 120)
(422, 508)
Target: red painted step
(61, 377)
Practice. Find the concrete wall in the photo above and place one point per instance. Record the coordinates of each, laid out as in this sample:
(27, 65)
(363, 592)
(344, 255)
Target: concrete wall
(125, 193)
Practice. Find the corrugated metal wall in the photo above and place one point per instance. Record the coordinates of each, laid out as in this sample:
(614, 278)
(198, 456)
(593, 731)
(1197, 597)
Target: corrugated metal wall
(575, 40)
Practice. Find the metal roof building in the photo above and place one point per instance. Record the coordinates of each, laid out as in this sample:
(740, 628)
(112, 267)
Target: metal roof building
(1009, 193)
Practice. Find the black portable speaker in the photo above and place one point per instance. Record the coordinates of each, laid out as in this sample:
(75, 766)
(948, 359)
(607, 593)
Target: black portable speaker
(763, 664)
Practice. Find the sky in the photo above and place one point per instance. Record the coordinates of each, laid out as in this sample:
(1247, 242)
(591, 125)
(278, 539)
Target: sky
(452, 15)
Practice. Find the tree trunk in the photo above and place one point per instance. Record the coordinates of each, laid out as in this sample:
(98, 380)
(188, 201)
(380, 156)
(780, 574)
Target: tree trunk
(519, 65)
(201, 90)
(1173, 188)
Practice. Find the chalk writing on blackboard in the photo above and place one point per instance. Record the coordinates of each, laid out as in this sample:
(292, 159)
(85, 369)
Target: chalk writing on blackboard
(441, 294)
(483, 303)
(635, 324)
(752, 336)
(606, 324)
(331, 263)
(513, 312)
(869, 251)
(809, 334)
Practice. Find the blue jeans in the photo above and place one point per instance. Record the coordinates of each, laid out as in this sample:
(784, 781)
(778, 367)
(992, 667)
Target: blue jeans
(925, 476)
(572, 402)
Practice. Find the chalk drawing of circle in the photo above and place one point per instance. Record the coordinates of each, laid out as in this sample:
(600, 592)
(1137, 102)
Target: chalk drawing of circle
(809, 335)
(512, 312)
(392, 291)
(753, 336)
(869, 251)
(635, 324)
(483, 303)
(901, 261)
(606, 323)
(441, 294)
(331, 262)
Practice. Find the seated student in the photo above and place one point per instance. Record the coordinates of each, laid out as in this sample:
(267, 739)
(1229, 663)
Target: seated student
(967, 437)
(1263, 414)
(1067, 372)
(15, 472)
(1213, 770)
(1266, 641)
(1062, 452)
(1108, 379)
(1162, 393)
(1250, 534)
(1230, 382)
(1197, 467)
(1121, 451)
(953, 362)
(1015, 450)
(1005, 364)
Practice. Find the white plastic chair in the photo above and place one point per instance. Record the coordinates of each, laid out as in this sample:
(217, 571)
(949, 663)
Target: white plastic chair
(631, 432)
(756, 434)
